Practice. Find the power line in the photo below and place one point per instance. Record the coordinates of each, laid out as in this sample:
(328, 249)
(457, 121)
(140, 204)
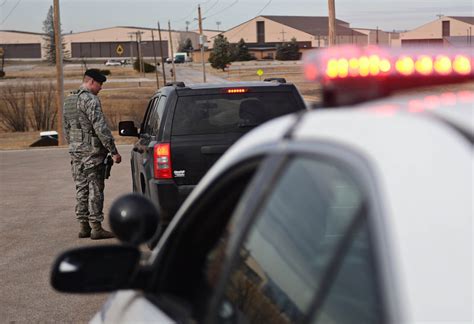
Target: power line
(239, 28)
(268, 3)
(3, 3)
(209, 9)
(18, 2)
(184, 18)
(231, 5)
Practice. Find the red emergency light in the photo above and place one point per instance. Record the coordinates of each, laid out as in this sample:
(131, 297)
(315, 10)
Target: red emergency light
(350, 74)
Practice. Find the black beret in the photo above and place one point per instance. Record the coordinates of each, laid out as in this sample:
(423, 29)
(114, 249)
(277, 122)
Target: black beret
(96, 75)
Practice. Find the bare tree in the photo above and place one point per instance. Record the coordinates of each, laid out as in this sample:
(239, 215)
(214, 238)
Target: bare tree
(42, 103)
(13, 108)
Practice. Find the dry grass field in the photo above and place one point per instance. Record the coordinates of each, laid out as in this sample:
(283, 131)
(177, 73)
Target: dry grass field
(124, 97)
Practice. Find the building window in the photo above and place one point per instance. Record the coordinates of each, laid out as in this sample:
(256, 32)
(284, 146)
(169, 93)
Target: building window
(260, 32)
(446, 28)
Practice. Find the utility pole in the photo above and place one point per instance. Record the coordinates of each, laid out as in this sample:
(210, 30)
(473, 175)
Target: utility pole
(59, 72)
(131, 48)
(156, 62)
(161, 52)
(140, 54)
(201, 44)
(172, 53)
(332, 23)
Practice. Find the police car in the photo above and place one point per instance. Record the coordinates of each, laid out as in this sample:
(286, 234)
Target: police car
(357, 214)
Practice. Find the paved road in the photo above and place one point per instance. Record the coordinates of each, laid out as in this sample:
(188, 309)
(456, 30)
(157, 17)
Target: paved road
(37, 223)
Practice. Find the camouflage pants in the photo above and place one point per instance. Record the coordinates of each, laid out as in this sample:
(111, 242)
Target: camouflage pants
(89, 191)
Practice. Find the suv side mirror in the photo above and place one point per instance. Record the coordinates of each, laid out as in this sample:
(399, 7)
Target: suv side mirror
(127, 128)
(95, 269)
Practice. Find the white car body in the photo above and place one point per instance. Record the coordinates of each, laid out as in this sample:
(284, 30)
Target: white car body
(419, 150)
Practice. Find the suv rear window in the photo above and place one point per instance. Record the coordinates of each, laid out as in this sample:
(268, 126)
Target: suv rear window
(214, 114)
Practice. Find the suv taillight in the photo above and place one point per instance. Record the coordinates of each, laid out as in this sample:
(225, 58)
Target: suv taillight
(162, 161)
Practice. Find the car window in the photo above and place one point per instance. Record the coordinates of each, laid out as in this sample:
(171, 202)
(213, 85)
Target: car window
(157, 115)
(152, 121)
(352, 297)
(279, 267)
(161, 106)
(146, 117)
(214, 114)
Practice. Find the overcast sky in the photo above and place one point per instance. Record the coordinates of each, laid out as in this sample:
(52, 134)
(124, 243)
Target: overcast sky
(83, 15)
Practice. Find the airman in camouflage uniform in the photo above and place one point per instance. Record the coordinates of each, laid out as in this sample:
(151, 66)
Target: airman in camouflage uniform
(90, 140)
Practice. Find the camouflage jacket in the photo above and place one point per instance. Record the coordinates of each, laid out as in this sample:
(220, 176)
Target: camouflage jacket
(95, 139)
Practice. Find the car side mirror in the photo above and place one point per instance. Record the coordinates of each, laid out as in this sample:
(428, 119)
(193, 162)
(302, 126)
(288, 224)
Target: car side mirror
(134, 219)
(127, 128)
(95, 269)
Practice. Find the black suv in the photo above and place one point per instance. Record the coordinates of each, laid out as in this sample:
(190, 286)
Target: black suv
(187, 128)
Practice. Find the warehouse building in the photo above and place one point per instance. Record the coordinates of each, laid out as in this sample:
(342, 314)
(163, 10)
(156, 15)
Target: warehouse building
(125, 42)
(115, 42)
(263, 33)
(445, 31)
(21, 45)
(380, 37)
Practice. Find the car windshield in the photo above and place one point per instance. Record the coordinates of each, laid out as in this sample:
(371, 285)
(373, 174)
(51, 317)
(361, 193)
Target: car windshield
(212, 114)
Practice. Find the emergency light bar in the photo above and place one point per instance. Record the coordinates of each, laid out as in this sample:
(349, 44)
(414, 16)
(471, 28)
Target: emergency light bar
(351, 74)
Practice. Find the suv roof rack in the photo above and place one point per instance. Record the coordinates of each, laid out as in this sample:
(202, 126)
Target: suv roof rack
(179, 84)
(279, 80)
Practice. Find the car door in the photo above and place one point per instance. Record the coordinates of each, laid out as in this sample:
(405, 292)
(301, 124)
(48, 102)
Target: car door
(180, 265)
(263, 244)
(306, 253)
(142, 158)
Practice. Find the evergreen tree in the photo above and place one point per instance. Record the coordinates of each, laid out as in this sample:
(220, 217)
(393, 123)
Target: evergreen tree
(49, 38)
(220, 55)
(288, 51)
(186, 46)
(240, 52)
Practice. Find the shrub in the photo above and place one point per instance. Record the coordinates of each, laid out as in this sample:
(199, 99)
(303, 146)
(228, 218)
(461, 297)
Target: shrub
(147, 66)
(288, 51)
(240, 51)
(13, 109)
(43, 106)
(24, 107)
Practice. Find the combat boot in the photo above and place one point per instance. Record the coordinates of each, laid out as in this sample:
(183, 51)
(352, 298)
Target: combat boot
(98, 233)
(85, 230)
